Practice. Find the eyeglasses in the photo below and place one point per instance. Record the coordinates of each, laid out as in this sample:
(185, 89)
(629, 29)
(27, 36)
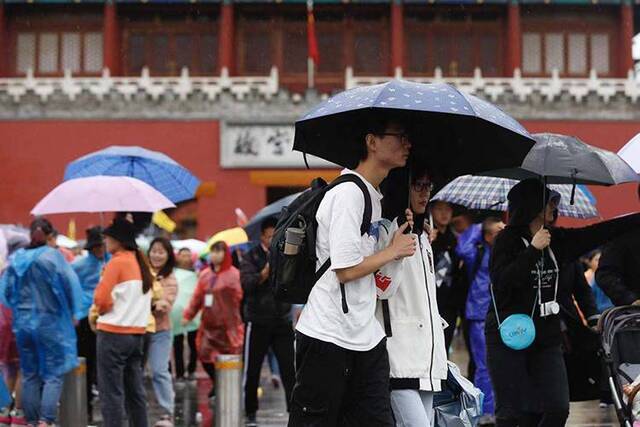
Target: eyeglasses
(400, 135)
(422, 186)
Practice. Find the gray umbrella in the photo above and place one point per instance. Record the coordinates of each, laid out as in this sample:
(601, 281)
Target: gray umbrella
(562, 159)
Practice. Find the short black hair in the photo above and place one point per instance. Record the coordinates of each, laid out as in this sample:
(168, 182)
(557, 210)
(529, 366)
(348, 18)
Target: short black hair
(184, 249)
(270, 222)
(376, 124)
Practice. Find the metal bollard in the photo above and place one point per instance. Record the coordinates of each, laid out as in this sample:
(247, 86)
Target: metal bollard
(73, 404)
(228, 412)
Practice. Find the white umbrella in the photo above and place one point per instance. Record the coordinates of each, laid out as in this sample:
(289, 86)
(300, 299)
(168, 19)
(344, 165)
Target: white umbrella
(194, 245)
(630, 153)
(65, 242)
(102, 194)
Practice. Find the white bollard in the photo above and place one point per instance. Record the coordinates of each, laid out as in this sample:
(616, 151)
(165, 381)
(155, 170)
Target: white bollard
(73, 404)
(228, 406)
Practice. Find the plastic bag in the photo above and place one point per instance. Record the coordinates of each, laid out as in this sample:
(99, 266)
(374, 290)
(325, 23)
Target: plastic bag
(459, 404)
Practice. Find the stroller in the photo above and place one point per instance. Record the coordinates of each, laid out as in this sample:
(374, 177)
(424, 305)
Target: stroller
(620, 337)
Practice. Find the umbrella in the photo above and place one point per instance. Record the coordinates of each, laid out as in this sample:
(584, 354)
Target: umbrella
(631, 153)
(65, 242)
(156, 169)
(273, 210)
(231, 236)
(453, 133)
(194, 245)
(562, 159)
(102, 194)
(485, 192)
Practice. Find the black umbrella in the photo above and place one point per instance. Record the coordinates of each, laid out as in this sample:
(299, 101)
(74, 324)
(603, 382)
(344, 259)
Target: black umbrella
(452, 133)
(270, 211)
(562, 159)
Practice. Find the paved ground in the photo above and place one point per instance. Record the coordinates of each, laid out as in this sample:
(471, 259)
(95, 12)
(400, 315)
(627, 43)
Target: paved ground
(193, 408)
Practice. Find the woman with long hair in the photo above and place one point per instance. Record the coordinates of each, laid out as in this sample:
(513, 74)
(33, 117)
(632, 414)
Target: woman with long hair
(123, 301)
(162, 261)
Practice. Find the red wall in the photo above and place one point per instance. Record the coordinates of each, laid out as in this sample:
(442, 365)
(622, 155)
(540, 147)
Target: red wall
(610, 135)
(33, 155)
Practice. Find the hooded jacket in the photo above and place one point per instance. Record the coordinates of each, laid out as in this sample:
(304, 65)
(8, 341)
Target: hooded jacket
(515, 265)
(218, 296)
(88, 268)
(44, 295)
(416, 347)
(619, 270)
(471, 246)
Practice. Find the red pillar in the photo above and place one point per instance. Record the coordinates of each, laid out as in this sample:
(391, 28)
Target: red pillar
(397, 35)
(111, 37)
(626, 37)
(4, 51)
(514, 39)
(226, 40)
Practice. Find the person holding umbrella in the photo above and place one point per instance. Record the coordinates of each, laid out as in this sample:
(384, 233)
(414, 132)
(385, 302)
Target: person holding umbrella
(123, 301)
(524, 271)
(408, 309)
(341, 357)
(44, 295)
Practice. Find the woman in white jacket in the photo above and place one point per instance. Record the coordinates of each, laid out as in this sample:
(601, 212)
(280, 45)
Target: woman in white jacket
(408, 310)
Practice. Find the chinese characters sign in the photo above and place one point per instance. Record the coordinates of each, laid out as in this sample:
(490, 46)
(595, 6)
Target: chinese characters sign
(262, 146)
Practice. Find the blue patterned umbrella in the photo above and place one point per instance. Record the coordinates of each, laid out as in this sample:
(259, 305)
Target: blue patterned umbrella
(485, 192)
(452, 133)
(156, 169)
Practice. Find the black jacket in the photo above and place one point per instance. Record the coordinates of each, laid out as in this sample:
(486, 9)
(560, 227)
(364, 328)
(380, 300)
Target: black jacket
(619, 272)
(260, 305)
(574, 286)
(452, 286)
(513, 270)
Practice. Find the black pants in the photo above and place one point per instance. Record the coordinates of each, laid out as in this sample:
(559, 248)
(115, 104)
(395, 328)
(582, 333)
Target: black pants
(178, 353)
(120, 379)
(339, 387)
(257, 340)
(530, 386)
(451, 315)
(87, 349)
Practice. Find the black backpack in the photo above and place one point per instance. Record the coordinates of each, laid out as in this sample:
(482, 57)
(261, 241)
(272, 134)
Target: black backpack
(293, 276)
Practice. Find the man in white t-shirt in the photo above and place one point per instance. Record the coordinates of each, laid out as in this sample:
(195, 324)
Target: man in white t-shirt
(342, 364)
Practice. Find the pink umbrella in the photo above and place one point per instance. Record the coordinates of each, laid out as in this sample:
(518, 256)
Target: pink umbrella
(102, 194)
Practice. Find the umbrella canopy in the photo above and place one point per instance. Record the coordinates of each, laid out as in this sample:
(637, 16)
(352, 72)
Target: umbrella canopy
(453, 133)
(194, 245)
(231, 236)
(563, 159)
(630, 153)
(102, 194)
(273, 210)
(156, 169)
(490, 193)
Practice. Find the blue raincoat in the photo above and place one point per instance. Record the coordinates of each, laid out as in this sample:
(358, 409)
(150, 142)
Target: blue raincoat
(471, 245)
(88, 268)
(44, 295)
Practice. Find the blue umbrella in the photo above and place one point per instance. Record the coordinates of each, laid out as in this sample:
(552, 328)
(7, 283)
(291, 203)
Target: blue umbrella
(452, 133)
(485, 192)
(273, 210)
(156, 169)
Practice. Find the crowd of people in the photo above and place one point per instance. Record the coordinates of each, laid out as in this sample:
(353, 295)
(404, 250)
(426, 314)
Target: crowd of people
(371, 344)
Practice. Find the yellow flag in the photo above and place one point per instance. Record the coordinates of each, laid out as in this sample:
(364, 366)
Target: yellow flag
(163, 221)
(71, 229)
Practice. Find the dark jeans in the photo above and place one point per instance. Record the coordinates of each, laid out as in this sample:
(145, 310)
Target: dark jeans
(87, 349)
(257, 340)
(530, 386)
(178, 353)
(120, 379)
(335, 386)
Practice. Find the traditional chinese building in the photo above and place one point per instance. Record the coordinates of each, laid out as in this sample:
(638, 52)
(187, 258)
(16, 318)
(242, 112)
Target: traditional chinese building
(217, 84)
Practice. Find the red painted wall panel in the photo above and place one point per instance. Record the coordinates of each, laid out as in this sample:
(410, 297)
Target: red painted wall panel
(33, 155)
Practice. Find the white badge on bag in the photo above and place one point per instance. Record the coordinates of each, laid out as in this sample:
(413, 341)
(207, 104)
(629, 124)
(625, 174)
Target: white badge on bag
(208, 300)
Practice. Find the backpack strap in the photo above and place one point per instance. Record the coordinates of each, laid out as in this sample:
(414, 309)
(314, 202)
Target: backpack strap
(364, 227)
(386, 318)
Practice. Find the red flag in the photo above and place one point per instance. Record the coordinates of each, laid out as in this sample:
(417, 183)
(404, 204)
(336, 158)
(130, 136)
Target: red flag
(312, 41)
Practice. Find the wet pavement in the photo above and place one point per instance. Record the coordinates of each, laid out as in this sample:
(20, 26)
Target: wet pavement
(194, 409)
